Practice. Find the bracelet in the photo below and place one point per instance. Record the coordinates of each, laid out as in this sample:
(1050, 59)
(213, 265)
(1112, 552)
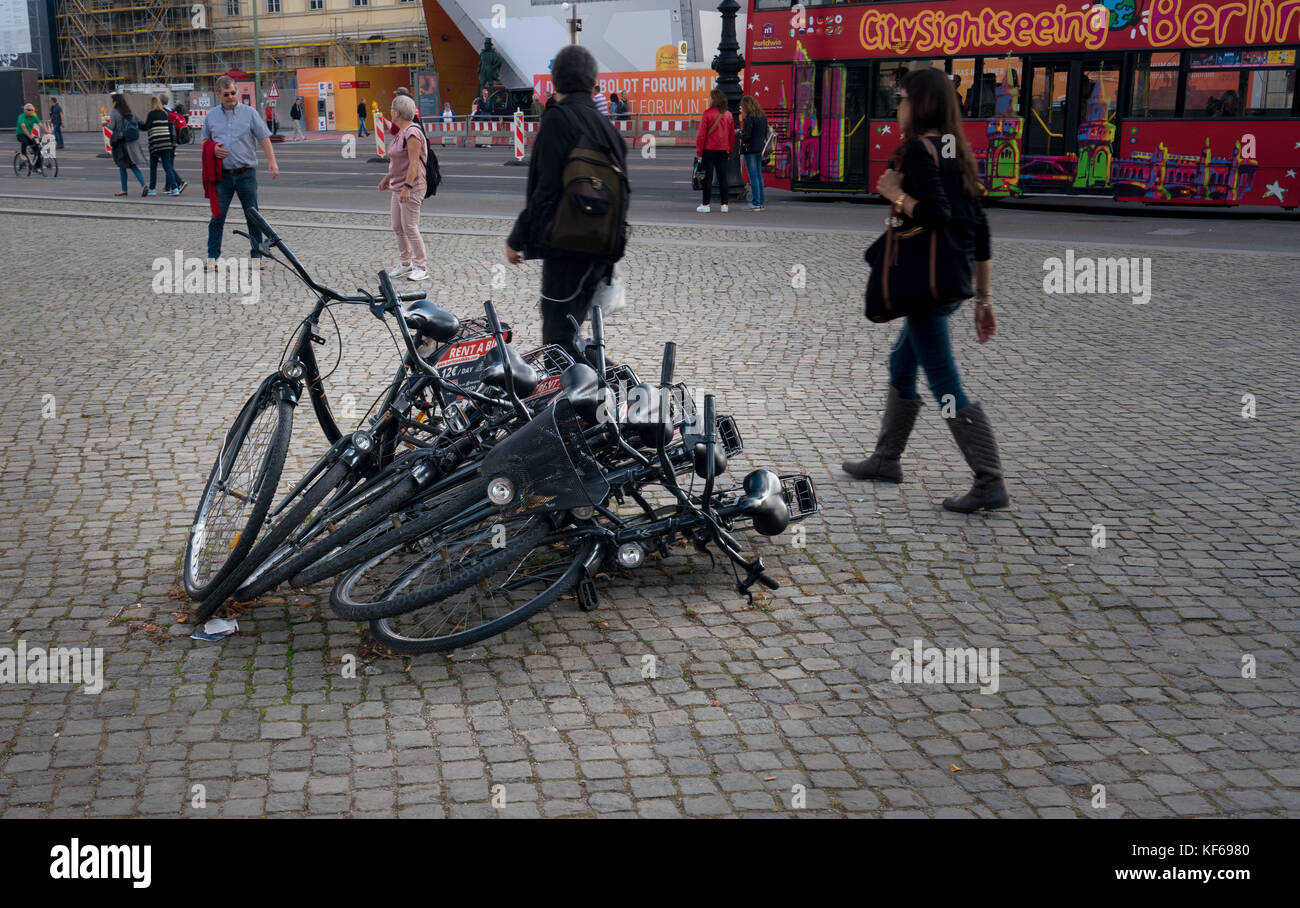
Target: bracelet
(899, 201)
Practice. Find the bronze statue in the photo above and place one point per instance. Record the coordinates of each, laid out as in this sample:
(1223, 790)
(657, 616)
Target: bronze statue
(489, 65)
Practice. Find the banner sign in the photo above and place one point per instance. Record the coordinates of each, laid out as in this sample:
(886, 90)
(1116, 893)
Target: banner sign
(1012, 26)
(656, 92)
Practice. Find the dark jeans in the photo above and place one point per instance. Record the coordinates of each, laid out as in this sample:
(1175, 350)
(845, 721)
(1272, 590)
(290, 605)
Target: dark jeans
(165, 158)
(58, 135)
(245, 186)
(925, 341)
(567, 288)
(31, 148)
(712, 161)
(754, 164)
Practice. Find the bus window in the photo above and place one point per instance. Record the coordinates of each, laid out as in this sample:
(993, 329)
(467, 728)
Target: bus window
(963, 80)
(889, 82)
(1269, 92)
(999, 89)
(1155, 85)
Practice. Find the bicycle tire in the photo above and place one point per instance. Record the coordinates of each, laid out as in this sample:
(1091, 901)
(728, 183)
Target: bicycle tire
(22, 166)
(262, 485)
(417, 524)
(355, 524)
(389, 631)
(273, 535)
(50, 168)
(351, 597)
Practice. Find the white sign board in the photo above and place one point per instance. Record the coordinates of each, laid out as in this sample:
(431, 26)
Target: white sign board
(15, 30)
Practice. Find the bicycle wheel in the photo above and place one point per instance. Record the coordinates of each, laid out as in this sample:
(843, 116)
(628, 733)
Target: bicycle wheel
(408, 523)
(50, 167)
(332, 531)
(500, 596)
(231, 512)
(21, 164)
(336, 478)
(453, 555)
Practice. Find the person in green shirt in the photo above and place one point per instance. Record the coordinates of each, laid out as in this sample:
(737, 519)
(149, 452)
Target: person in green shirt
(28, 122)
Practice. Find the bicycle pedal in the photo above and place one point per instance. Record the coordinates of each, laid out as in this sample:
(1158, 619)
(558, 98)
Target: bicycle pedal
(729, 435)
(588, 598)
(800, 495)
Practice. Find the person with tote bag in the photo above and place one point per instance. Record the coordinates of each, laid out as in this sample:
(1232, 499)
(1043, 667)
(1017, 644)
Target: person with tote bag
(922, 272)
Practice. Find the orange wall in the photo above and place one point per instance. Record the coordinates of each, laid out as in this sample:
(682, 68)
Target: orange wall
(384, 81)
(455, 59)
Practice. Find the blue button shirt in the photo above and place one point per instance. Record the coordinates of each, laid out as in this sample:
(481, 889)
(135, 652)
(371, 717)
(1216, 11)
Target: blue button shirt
(239, 131)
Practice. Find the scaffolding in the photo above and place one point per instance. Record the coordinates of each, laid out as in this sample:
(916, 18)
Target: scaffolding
(107, 43)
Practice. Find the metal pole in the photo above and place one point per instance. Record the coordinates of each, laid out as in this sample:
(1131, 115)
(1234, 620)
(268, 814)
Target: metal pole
(257, 63)
(728, 64)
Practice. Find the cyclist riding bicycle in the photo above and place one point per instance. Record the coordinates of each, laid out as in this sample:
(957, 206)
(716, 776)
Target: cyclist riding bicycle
(28, 122)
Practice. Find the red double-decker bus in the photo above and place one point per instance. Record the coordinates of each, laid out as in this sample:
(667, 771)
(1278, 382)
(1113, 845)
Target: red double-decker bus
(1160, 101)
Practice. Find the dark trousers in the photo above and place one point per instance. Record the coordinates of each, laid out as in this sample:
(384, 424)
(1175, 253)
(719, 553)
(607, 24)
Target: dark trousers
(32, 149)
(164, 158)
(567, 288)
(712, 161)
(58, 135)
(245, 186)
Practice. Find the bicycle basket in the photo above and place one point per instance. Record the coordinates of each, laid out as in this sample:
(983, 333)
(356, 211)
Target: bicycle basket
(545, 466)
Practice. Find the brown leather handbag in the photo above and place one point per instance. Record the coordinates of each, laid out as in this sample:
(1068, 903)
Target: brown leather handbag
(916, 269)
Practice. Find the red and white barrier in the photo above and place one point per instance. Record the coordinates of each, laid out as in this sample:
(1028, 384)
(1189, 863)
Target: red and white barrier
(108, 136)
(519, 136)
(381, 134)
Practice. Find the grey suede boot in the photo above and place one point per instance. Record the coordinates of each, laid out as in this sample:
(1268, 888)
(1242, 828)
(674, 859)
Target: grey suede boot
(970, 427)
(895, 427)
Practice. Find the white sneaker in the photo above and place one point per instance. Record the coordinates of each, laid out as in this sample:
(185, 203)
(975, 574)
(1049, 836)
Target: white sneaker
(417, 274)
(703, 209)
(723, 209)
(399, 270)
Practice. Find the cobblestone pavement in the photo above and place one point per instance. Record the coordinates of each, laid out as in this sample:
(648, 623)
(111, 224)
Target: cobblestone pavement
(1121, 666)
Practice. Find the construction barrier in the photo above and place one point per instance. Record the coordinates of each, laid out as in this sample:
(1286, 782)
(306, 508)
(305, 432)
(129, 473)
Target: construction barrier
(466, 131)
(381, 132)
(517, 130)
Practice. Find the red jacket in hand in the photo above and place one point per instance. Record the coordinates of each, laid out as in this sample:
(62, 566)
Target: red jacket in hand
(717, 132)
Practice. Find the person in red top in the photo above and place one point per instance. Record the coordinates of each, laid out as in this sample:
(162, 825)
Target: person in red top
(713, 145)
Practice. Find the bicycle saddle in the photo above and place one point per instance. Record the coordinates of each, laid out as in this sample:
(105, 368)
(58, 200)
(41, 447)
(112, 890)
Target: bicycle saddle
(431, 320)
(581, 386)
(525, 377)
(764, 501)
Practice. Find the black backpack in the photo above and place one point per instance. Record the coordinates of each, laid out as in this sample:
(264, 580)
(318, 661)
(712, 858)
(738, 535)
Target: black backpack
(590, 217)
(130, 129)
(432, 172)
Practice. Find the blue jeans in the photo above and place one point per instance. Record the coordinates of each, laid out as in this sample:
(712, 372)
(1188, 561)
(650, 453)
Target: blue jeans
(58, 135)
(165, 158)
(135, 170)
(754, 167)
(245, 186)
(925, 341)
(362, 132)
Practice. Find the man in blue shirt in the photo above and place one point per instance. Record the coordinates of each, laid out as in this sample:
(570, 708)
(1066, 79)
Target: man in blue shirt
(236, 129)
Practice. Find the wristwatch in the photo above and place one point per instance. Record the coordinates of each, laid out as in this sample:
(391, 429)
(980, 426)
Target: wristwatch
(899, 201)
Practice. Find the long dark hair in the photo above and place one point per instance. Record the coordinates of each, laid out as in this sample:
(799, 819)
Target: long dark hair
(934, 106)
(120, 105)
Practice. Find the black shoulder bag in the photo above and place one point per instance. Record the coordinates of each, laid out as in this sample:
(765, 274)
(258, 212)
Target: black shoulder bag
(916, 269)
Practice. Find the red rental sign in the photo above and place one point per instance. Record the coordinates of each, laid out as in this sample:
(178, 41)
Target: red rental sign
(1012, 26)
(365, 84)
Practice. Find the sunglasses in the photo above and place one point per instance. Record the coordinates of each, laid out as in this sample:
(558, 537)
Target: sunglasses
(229, 94)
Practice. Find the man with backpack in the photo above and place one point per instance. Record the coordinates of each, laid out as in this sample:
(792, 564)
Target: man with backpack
(575, 217)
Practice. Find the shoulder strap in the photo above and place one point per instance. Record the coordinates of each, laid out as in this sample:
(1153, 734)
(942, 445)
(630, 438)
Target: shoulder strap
(716, 120)
(929, 146)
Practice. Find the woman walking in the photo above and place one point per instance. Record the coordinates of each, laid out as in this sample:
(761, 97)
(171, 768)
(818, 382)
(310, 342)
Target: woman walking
(126, 143)
(161, 149)
(933, 191)
(406, 178)
(753, 136)
(713, 144)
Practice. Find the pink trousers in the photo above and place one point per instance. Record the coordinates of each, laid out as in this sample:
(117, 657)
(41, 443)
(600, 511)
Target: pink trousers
(406, 224)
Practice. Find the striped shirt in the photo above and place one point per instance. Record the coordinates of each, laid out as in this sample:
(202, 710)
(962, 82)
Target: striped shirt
(602, 102)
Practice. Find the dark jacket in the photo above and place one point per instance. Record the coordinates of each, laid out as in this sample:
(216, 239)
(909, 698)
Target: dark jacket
(557, 135)
(753, 135)
(295, 112)
(941, 200)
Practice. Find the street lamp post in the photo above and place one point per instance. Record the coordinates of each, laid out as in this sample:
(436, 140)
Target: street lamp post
(728, 64)
(575, 24)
